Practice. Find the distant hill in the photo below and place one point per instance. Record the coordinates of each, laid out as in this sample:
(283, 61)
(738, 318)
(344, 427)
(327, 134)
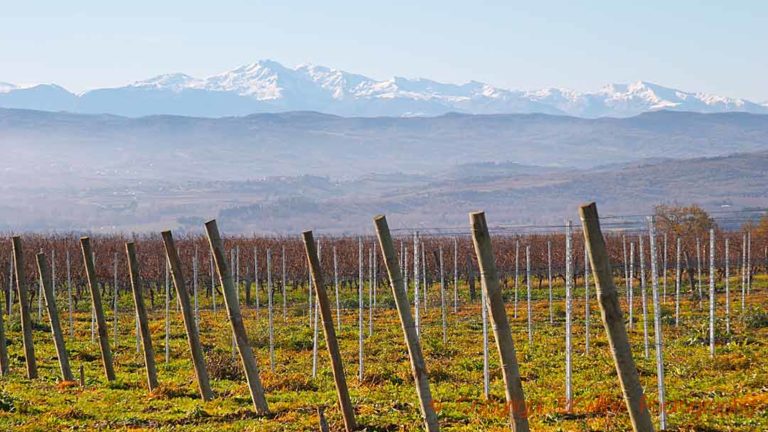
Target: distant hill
(59, 147)
(510, 193)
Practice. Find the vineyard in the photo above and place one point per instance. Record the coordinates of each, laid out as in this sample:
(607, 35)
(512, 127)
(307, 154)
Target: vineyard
(694, 309)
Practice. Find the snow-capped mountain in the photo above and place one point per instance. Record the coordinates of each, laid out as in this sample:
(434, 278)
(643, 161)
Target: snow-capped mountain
(6, 87)
(268, 86)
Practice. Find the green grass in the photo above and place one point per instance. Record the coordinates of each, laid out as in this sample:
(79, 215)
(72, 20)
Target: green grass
(729, 392)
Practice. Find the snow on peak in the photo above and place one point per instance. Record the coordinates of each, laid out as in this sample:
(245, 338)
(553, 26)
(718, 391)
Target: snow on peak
(316, 85)
(6, 87)
(175, 82)
(339, 83)
(260, 80)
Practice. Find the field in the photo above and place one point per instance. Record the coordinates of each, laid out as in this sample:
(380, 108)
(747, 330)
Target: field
(727, 392)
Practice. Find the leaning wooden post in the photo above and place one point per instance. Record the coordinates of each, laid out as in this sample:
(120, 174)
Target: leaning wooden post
(418, 366)
(347, 410)
(90, 271)
(186, 313)
(53, 315)
(613, 320)
(141, 315)
(236, 319)
(490, 283)
(26, 324)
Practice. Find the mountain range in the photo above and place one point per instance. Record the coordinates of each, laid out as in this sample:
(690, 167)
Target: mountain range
(268, 86)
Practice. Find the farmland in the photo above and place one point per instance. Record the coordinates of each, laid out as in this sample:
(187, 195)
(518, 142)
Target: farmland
(724, 392)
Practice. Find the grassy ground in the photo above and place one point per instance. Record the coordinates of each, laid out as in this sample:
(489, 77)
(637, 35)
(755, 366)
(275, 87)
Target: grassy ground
(729, 392)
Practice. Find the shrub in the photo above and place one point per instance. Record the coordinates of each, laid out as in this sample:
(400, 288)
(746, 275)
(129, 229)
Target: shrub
(222, 366)
(754, 318)
(7, 402)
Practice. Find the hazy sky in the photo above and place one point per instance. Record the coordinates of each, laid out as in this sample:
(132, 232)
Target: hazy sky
(719, 47)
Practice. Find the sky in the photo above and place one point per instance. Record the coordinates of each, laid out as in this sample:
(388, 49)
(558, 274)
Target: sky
(718, 47)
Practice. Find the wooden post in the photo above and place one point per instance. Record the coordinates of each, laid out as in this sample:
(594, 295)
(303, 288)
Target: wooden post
(141, 315)
(98, 311)
(186, 313)
(53, 315)
(236, 319)
(26, 323)
(323, 422)
(418, 366)
(324, 306)
(490, 283)
(613, 321)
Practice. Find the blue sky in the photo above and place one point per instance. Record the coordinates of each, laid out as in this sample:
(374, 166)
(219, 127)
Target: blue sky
(719, 47)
